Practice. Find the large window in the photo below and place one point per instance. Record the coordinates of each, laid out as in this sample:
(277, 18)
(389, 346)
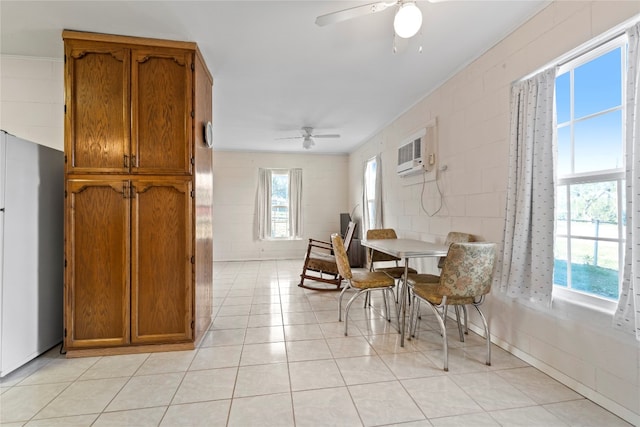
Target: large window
(590, 172)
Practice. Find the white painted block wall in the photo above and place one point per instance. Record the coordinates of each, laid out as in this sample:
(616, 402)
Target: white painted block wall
(32, 99)
(235, 183)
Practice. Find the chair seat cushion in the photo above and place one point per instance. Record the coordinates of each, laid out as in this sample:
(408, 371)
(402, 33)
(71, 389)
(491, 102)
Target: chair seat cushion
(395, 272)
(422, 278)
(322, 262)
(371, 279)
(429, 292)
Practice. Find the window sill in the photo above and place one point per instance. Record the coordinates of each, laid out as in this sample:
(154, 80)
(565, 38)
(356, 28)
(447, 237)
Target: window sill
(281, 239)
(585, 309)
(590, 302)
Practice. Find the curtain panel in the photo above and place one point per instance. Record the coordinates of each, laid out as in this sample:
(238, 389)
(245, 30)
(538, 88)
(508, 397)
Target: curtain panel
(526, 271)
(627, 316)
(295, 203)
(264, 204)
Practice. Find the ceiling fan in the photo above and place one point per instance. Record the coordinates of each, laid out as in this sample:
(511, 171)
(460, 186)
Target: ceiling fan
(407, 21)
(308, 135)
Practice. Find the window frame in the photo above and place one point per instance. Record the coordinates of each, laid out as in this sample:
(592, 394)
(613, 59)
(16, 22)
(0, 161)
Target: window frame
(272, 228)
(370, 222)
(616, 175)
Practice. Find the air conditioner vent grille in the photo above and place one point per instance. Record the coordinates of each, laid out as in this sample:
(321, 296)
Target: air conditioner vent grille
(409, 152)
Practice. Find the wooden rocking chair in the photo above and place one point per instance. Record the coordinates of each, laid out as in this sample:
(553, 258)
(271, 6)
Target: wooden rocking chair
(320, 263)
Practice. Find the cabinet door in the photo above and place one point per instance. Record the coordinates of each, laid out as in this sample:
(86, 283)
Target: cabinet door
(97, 257)
(162, 111)
(162, 272)
(97, 120)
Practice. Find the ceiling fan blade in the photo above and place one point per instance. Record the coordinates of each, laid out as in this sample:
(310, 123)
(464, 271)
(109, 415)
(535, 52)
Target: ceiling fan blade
(354, 12)
(291, 137)
(329, 135)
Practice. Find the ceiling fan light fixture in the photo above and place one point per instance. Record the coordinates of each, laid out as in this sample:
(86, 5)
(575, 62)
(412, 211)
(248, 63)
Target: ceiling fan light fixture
(307, 143)
(408, 20)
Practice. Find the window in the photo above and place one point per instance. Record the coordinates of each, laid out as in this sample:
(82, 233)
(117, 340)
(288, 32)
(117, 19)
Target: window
(371, 195)
(279, 204)
(589, 236)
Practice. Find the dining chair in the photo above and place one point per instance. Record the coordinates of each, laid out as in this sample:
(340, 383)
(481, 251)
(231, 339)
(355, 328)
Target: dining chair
(320, 261)
(466, 279)
(363, 282)
(395, 271)
(452, 237)
(374, 256)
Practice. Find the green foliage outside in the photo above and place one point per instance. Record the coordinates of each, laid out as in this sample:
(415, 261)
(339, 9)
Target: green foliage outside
(588, 278)
(593, 215)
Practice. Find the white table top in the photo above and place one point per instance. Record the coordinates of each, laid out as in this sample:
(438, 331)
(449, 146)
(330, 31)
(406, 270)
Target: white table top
(406, 248)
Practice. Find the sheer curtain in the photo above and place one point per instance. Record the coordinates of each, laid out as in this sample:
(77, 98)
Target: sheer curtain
(627, 316)
(526, 271)
(372, 195)
(264, 203)
(295, 203)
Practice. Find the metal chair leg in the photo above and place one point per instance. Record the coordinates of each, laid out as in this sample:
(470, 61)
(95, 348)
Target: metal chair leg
(457, 308)
(385, 302)
(340, 303)
(445, 346)
(487, 335)
(346, 311)
(414, 317)
(466, 319)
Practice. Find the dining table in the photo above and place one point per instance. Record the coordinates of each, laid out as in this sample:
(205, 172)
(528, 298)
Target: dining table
(405, 249)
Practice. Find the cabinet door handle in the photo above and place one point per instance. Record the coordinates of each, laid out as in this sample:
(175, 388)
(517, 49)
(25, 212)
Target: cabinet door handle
(125, 190)
(134, 162)
(126, 161)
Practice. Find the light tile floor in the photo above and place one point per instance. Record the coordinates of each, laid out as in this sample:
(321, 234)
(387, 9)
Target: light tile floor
(276, 356)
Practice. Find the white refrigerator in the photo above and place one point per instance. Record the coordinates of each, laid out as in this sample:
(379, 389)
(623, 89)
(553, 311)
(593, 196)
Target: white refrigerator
(31, 250)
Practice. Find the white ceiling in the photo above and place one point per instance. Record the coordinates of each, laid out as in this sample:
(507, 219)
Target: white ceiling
(274, 70)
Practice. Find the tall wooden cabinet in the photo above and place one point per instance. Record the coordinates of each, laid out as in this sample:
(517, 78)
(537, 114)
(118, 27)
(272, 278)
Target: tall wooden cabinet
(138, 195)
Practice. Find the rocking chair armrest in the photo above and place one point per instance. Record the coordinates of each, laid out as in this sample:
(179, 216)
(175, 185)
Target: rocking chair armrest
(320, 244)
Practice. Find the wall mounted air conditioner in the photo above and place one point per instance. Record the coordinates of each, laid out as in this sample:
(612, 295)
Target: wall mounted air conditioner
(411, 155)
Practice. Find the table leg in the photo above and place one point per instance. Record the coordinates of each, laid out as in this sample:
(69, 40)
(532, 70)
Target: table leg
(403, 300)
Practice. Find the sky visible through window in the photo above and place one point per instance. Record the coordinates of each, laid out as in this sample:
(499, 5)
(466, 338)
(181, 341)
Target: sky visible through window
(597, 114)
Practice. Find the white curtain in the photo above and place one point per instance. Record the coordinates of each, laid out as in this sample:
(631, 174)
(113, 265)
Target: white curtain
(372, 218)
(295, 203)
(526, 270)
(264, 203)
(627, 316)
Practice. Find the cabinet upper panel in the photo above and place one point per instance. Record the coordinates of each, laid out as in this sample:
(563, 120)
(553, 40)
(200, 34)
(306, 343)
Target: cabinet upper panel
(161, 93)
(129, 109)
(97, 102)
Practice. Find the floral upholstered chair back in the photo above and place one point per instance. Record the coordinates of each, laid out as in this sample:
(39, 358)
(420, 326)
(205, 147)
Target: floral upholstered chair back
(468, 270)
(342, 260)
